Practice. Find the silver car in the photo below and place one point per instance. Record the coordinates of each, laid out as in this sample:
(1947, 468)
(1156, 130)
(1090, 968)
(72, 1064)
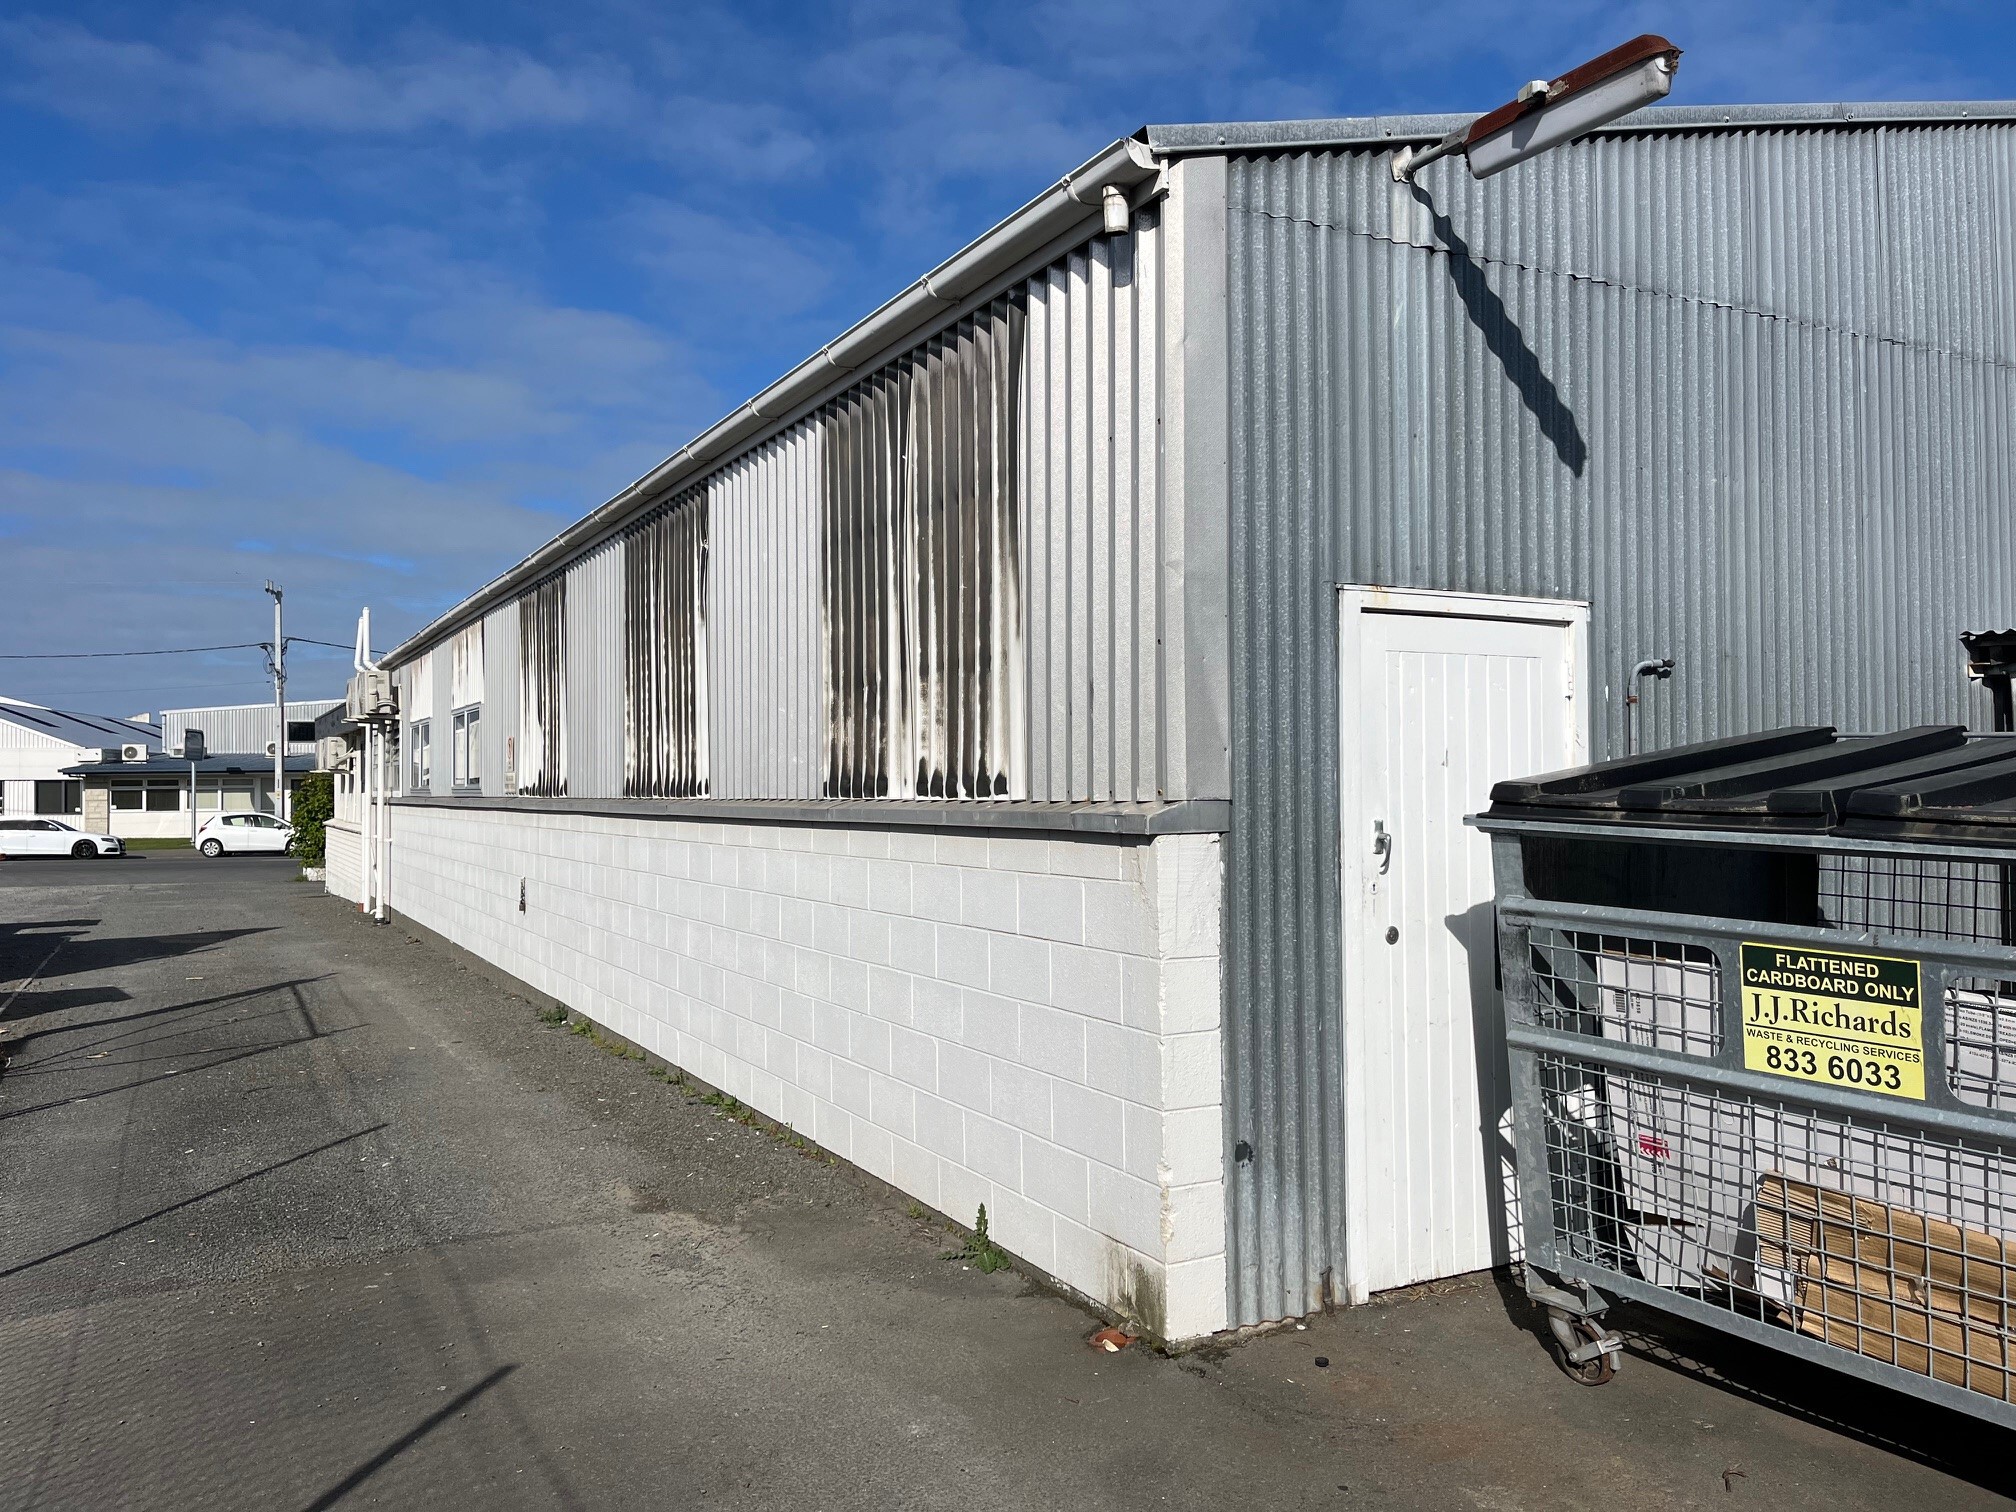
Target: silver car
(52, 837)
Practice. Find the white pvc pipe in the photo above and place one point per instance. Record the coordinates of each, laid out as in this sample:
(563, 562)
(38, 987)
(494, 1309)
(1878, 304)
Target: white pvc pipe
(365, 818)
(384, 821)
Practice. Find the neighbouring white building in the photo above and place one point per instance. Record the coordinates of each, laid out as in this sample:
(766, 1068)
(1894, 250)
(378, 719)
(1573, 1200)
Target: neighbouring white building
(37, 744)
(1026, 747)
(147, 795)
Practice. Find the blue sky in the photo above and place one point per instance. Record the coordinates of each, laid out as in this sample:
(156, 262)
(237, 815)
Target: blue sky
(373, 299)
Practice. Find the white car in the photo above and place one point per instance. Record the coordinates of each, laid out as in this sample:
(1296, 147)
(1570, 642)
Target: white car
(52, 837)
(244, 834)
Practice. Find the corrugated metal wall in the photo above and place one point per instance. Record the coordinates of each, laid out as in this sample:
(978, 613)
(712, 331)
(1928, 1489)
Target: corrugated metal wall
(1091, 491)
(542, 693)
(237, 731)
(594, 679)
(1747, 392)
(1056, 417)
(441, 675)
(665, 701)
(500, 699)
(921, 594)
(763, 681)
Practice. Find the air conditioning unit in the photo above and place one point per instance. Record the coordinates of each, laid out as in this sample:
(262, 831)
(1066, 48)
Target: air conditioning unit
(332, 754)
(369, 695)
(272, 749)
(133, 753)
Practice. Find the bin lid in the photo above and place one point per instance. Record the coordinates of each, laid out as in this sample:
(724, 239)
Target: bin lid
(1971, 804)
(1804, 778)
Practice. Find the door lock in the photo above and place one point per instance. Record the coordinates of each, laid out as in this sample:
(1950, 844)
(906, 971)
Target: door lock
(1382, 845)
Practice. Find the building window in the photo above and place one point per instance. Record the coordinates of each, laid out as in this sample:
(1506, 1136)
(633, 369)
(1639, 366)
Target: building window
(300, 732)
(542, 716)
(468, 749)
(665, 652)
(59, 797)
(421, 737)
(922, 592)
(164, 797)
(127, 796)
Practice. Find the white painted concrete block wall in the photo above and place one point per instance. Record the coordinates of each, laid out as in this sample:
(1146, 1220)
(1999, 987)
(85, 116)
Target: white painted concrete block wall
(343, 860)
(1030, 1023)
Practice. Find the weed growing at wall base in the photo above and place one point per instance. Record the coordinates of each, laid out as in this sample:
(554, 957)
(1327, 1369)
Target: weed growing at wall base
(980, 1251)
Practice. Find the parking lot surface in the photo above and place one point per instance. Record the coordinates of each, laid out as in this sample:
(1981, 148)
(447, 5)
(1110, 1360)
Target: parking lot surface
(301, 1213)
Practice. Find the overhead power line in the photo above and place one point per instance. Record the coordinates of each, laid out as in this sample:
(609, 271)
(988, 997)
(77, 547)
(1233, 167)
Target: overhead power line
(169, 651)
(88, 655)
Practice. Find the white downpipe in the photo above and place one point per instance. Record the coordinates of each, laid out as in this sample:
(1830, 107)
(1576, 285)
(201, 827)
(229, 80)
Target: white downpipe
(365, 853)
(384, 831)
(375, 829)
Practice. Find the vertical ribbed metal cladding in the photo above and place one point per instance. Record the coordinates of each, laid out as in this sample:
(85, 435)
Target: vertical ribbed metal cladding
(500, 699)
(239, 729)
(542, 683)
(441, 672)
(762, 620)
(922, 558)
(665, 651)
(594, 660)
(1747, 392)
(1091, 486)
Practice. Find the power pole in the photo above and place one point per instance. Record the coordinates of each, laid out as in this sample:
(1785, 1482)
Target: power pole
(279, 708)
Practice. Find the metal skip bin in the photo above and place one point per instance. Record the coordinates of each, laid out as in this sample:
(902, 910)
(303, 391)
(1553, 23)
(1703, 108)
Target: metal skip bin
(1760, 1007)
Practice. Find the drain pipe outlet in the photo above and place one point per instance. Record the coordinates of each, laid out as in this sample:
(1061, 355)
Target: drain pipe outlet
(1656, 667)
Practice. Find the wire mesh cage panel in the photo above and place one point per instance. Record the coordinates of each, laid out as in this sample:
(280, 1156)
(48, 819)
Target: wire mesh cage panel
(1888, 1241)
(1927, 897)
(1713, 1124)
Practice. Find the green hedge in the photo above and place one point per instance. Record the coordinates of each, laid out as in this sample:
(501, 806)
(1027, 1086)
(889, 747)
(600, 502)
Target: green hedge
(314, 803)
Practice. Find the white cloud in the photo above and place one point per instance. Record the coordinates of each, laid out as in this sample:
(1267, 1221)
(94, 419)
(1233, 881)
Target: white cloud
(1735, 50)
(244, 72)
(743, 263)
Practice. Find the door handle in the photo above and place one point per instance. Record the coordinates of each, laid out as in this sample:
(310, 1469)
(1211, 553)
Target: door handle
(1382, 845)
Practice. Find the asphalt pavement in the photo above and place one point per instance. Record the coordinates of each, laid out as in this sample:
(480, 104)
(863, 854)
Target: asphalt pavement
(298, 1212)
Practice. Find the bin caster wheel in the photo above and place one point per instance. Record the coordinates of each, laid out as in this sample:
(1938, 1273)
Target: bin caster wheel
(1586, 1350)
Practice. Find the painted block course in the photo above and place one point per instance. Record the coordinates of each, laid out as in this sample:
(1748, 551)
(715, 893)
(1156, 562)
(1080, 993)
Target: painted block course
(1029, 1022)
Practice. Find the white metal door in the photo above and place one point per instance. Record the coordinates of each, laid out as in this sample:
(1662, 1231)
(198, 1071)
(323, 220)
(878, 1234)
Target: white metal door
(1440, 696)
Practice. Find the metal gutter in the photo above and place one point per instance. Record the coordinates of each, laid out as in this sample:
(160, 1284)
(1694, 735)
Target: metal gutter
(1384, 131)
(1190, 816)
(1072, 201)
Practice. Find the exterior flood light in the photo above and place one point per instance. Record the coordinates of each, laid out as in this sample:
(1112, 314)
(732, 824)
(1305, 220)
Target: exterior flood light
(1548, 113)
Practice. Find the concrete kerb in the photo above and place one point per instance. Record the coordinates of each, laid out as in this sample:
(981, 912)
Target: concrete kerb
(874, 1185)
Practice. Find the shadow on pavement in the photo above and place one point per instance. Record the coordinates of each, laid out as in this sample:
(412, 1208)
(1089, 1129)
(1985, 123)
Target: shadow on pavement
(195, 1007)
(1899, 1424)
(34, 1001)
(209, 1065)
(407, 1440)
(176, 1207)
(77, 954)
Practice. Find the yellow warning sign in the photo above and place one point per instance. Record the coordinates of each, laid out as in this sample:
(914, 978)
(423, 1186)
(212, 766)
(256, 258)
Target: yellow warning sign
(1835, 1017)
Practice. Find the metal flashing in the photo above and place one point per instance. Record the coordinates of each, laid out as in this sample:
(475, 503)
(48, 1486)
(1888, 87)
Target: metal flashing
(1193, 816)
(1343, 132)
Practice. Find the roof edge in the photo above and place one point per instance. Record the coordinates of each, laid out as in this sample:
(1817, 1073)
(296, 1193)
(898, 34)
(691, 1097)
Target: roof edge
(1397, 130)
(1074, 200)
